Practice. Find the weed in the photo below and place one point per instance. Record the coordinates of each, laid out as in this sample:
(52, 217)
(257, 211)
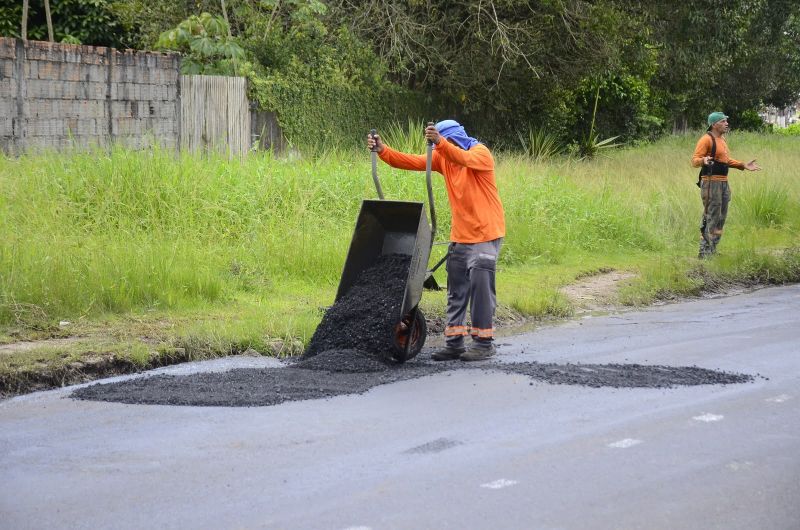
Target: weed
(765, 204)
(409, 138)
(540, 145)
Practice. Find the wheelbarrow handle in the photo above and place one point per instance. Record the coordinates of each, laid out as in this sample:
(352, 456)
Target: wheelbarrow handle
(428, 163)
(374, 155)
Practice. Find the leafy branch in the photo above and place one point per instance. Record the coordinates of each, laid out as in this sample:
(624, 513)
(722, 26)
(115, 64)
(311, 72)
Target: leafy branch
(206, 44)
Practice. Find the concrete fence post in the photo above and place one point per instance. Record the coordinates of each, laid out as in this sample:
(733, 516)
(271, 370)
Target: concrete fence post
(178, 127)
(19, 72)
(109, 85)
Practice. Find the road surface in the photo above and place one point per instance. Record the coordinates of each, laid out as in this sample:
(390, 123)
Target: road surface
(462, 449)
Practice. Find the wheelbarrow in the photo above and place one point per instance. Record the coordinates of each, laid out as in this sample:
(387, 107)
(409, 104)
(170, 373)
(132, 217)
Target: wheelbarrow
(396, 227)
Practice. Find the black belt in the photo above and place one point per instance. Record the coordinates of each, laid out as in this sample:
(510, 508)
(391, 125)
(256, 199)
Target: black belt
(715, 168)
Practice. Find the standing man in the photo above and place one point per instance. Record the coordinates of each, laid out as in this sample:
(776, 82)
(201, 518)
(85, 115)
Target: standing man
(477, 230)
(711, 153)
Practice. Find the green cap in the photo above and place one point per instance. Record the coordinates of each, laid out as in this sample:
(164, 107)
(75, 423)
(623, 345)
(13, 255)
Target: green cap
(714, 117)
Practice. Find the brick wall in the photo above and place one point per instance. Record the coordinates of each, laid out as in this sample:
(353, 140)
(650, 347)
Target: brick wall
(57, 96)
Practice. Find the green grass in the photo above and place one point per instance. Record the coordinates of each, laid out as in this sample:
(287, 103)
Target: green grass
(212, 256)
(408, 138)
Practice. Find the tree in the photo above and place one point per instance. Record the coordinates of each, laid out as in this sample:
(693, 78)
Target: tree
(506, 64)
(82, 21)
(205, 44)
(49, 20)
(722, 54)
(24, 30)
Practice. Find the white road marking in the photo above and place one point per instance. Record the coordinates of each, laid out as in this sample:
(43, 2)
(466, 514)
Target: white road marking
(740, 466)
(624, 444)
(779, 399)
(358, 528)
(498, 484)
(708, 417)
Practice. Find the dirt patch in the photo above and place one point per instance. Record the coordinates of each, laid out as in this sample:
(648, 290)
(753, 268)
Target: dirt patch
(23, 346)
(596, 292)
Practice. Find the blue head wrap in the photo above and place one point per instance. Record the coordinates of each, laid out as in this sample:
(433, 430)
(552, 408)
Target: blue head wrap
(452, 130)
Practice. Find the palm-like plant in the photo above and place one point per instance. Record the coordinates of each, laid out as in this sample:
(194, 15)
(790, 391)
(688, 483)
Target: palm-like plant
(591, 145)
(540, 145)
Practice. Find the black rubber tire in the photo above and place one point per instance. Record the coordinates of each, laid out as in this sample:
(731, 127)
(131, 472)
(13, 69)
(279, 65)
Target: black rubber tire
(419, 332)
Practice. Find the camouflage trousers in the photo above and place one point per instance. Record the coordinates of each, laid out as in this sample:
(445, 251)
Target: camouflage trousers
(715, 195)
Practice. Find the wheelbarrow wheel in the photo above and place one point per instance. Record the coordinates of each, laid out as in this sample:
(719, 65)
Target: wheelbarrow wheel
(411, 327)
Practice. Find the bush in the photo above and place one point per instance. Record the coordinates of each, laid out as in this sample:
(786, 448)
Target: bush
(791, 130)
(750, 120)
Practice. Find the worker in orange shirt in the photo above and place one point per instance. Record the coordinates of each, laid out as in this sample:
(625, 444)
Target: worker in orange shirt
(476, 235)
(711, 153)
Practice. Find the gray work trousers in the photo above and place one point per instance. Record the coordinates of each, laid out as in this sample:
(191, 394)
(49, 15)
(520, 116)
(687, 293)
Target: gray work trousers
(471, 282)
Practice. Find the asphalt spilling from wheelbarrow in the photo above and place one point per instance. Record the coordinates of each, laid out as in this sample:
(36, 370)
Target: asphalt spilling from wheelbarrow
(350, 353)
(363, 319)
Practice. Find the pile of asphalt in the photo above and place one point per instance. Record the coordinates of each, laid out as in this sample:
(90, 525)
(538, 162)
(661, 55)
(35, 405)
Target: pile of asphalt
(347, 360)
(364, 317)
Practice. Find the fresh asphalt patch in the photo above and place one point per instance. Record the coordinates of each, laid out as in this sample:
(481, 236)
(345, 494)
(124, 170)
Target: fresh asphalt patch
(349, 353)
(249, 387)
(624, 375)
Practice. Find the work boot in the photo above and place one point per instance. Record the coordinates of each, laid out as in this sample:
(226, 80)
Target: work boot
(448, 353)
(478, 352)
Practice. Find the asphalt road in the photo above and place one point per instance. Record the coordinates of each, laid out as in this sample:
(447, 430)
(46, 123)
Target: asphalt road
(462, 449)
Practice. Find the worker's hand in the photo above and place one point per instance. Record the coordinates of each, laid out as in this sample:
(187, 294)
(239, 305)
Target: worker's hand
(752, 166)
(707, 160)
(374, 143)
(432, 135)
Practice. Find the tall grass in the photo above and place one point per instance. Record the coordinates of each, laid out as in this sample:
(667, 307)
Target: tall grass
(100, 232)
(84, 234)
(407, 137)
(767, 204)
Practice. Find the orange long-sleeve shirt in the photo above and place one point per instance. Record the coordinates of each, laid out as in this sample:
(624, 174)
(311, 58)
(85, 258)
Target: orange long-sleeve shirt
(703, 148)
(475, 207)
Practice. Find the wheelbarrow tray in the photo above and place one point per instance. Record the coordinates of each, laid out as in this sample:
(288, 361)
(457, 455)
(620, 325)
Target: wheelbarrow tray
(390, 227)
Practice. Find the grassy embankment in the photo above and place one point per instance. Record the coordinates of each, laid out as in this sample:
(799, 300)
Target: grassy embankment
(145, 258)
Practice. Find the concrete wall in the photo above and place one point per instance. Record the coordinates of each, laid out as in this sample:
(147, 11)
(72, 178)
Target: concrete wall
(57, 96)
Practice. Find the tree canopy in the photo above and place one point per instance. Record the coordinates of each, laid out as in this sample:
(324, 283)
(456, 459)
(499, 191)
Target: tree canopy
(631, 69)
